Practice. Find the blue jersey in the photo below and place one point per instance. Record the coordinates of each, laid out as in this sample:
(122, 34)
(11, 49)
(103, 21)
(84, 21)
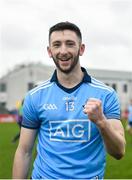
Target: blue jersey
(130, 113)
(70, 146)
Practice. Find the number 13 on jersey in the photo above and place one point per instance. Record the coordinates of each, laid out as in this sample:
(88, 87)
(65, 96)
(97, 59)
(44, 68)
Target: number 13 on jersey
(70, 105)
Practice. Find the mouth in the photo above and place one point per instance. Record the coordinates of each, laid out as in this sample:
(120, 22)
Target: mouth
(64, 59)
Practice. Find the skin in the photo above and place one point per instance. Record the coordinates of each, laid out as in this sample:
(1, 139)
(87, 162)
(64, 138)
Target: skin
(65, 48)
(112, 130)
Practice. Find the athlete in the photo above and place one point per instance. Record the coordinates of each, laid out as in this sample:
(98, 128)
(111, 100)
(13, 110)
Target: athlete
(129, 118)
(75, 117)
(19, 122)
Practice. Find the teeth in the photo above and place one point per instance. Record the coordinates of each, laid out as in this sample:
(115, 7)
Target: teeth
(64, 59)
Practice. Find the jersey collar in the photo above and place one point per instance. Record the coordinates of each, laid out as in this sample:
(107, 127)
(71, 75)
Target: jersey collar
(85, 79)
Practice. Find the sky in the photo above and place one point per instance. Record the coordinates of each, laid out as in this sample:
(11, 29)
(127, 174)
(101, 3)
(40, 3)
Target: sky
(106, 27)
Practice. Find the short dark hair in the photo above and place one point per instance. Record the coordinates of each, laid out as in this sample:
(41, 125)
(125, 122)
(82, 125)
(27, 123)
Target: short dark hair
(65, 26)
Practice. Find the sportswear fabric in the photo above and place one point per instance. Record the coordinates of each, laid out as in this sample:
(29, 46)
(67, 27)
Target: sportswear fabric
(69, 144)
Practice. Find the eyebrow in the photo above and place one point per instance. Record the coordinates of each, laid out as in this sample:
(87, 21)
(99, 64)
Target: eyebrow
(58, 41)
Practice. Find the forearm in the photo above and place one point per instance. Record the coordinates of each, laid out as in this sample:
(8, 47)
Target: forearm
(21, 165)
(111, 130)
(113, 138)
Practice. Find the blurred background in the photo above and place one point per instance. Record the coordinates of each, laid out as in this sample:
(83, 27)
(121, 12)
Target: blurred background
(106, 27)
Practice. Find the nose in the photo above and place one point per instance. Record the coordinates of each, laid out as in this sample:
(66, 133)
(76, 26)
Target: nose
(63, 49)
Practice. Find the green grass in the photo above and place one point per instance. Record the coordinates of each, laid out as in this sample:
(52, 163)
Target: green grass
(116, 169)
(7, 149)
(121, 169)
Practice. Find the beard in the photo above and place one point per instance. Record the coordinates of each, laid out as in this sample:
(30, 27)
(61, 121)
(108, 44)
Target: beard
(71, 67)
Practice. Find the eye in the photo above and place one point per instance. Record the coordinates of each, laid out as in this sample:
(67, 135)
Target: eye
(70, 44)
(56, 45)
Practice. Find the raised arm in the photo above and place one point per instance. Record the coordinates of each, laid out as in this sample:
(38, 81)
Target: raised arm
(23, 154)
(111, 130)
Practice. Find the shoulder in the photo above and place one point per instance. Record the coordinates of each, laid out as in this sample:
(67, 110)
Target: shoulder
(35, 94)
(39, 88)
(99, 85)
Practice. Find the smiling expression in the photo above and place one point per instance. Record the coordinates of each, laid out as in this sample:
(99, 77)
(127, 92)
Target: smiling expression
(65, 48)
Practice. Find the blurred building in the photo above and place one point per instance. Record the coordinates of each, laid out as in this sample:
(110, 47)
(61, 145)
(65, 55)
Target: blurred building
(121, 81)
(15, 84)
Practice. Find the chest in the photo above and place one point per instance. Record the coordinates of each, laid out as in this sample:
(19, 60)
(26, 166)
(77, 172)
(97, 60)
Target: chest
(61, 115)
(62, 106)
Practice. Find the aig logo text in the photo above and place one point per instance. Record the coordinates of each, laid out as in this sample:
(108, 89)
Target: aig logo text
(70, 130)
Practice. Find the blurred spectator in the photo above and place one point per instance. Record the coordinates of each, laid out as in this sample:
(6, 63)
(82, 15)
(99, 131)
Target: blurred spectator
(19, 121)
(129, 123)
(124, 114)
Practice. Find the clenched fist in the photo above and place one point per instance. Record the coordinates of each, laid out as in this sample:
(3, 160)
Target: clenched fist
(93, 108)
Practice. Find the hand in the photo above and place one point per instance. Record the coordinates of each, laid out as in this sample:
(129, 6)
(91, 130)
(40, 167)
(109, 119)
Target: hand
(93, 108)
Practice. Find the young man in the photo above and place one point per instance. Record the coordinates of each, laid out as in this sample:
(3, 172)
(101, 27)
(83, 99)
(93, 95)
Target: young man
(75, 117)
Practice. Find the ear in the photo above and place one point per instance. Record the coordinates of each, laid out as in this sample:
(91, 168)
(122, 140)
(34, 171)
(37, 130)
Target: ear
(49, 51)
(82, 49)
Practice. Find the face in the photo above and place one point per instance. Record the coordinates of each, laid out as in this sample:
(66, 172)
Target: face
(65, 48)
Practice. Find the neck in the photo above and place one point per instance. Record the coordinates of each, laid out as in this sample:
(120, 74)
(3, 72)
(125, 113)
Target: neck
(71, 79)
